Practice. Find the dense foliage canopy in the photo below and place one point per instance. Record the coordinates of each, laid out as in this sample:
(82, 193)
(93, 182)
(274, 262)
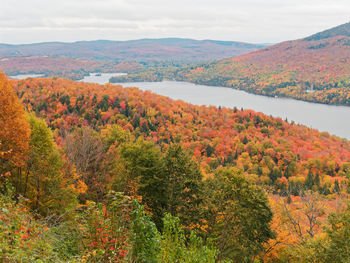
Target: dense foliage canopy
(113, 174)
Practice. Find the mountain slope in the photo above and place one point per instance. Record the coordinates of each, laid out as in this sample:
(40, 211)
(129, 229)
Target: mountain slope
(316, 68)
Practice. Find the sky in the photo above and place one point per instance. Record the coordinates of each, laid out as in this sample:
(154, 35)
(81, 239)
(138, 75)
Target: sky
(254, 21)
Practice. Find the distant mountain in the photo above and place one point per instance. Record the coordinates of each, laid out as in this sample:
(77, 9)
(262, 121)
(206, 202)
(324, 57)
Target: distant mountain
(134, 50)
(316, 68)
(54, 66)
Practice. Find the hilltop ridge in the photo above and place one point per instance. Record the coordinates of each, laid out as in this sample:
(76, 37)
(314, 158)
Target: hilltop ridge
(341, 30)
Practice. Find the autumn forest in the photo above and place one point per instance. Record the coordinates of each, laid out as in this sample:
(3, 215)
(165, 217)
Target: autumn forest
(103, 173)
(315, 69)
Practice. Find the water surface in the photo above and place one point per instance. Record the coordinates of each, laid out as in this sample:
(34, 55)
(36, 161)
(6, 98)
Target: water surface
(24, 76)
(100, 78)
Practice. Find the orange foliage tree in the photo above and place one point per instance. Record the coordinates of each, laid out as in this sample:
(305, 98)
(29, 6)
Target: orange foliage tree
(14, 129)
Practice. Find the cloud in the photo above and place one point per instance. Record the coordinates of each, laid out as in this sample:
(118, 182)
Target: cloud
(23, 21)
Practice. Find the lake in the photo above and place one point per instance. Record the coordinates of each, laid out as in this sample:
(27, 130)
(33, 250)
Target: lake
(100, 78)
(25, 76)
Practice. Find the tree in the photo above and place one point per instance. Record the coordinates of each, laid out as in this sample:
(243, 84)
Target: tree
(106, 231)
(144, 163)
(167, 184)
(148, 245)
(173, 244)
(275, 174)
(336, 188)
(245, 140)
(309, 183)
(182, 183)
(237, 214)
(302, 216)
(331, 246)
(209, 150)
(14, 128)
(21, 236)
(114, 135)
(317, 180)
(145, 237)
(44, 182)
(85, 150)
(338, 245)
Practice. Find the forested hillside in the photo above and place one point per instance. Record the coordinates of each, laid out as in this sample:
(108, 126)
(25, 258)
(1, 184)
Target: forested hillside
(102, 173)
(63, 66)
(315, 69)
(252, 140)
(83, 57)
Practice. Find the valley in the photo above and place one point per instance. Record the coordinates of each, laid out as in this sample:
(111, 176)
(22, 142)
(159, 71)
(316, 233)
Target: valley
(175, 147)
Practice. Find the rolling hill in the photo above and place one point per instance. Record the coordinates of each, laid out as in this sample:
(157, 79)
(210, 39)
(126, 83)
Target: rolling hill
(134, 50)
(315, 68)
(104, 55)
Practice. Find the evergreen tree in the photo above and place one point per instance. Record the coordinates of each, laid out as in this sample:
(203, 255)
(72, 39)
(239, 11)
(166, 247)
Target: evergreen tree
(309, 183)
(235, 157)
(324, 190)
(274, 174)
(317, 179)
(104, 104)
(245, 140)
(209, 150)
(336, 188)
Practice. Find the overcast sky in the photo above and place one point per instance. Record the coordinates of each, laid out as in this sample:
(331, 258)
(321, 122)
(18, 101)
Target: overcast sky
(257, 21)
